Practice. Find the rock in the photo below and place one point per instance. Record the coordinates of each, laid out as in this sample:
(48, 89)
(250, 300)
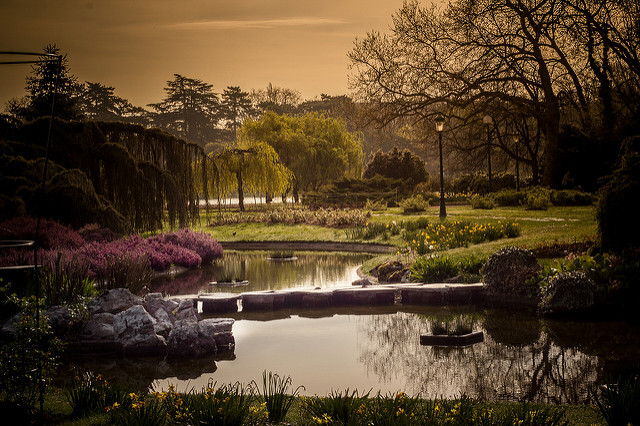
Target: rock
(219, 329)
(113, 301)
(135, 332)
(99, 327)
(219, 303)
(186, 311)
(364, 282)
(164, 324)
(9, 327)
(390, 272)
(154, 303)
(186, 339)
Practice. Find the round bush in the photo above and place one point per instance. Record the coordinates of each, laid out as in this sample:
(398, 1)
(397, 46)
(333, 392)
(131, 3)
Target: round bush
(567, 292)
(508, 270)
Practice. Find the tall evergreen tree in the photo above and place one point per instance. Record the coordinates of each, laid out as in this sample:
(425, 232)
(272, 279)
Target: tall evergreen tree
(41, 85)
(190, 110)
(236, 106)
(98, 102)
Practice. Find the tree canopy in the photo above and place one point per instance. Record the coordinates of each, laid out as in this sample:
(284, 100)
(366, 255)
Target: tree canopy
(397, 164)
(316, 148)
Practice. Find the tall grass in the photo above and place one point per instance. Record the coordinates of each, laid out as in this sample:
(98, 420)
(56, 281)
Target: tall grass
(278, 395)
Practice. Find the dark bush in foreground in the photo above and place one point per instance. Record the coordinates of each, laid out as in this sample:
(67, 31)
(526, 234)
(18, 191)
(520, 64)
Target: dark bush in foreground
(508, 270)
(617, 218)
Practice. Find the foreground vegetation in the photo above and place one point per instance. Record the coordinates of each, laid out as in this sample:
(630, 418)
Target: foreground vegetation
(92, 400)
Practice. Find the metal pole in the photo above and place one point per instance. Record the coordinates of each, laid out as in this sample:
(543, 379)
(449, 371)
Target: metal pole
(443, 209)
(489, 152)
(517, 168)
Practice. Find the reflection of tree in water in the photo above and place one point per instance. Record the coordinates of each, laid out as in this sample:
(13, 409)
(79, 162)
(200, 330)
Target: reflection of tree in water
(537, 369)
(262, 274)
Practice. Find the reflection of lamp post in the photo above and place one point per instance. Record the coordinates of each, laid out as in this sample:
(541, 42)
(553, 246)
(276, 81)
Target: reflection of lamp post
(487, 120)
(516, 142)
(439, 127)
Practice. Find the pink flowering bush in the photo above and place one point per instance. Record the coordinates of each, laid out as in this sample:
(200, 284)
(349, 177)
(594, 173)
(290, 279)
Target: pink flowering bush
(200, 242)
(52, 234)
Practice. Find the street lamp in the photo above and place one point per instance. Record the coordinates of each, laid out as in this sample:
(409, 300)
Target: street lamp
(516, 141)
(487, 120)
(439, 127)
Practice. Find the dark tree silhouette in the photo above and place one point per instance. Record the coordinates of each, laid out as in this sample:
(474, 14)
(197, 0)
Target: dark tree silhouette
(236, 106)
(189, 111)
(40, 87)
(397, 164)
(98, 102)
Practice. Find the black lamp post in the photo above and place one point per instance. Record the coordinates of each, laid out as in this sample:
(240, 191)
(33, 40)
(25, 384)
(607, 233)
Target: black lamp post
(516, 141)
(439, 127)
(487, 120)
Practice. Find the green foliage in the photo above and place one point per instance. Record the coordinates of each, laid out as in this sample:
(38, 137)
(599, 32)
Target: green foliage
(619, 403)
(478, 182)
(278, 395)
(428, 269)
(480, 202)
(617, 220)
(392, 410)
(125, 270)
(537, 198)
(509, 197)
(30, 359)
(448, 235)
(290, 215)
(135, 410)
(397, 164)
(91, 393)
(415, 203)
(225, 405)
(355, 192)
(316, 148)
(457, 326)
(66, 279)
(341, 408)
(471, 264)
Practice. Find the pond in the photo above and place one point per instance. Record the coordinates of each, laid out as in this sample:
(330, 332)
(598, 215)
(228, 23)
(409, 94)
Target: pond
(521, 358)
(307, 269)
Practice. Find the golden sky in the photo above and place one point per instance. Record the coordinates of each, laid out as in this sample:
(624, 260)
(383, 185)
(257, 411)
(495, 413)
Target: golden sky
(137, 45)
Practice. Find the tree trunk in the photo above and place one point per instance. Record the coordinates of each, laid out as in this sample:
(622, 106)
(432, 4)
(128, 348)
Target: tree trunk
(240, 191)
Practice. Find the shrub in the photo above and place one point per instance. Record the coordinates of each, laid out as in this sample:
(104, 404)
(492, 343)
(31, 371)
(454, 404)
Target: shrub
(277, 395)
(52, 234)
(619, 403)
(509, 197)
(509, 271)
(23, 358)
(537, 199)
(617, 220)
(65, 277)
(472, 264)
(433, 269)
(478, 182)
(480, 202)
(91, 393)
(342, 408)
(571, 197)
(414, 203)
(200, 242)
(567, 292)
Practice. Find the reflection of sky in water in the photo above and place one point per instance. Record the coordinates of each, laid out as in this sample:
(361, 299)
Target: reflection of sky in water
(308, 270)
(382, 353)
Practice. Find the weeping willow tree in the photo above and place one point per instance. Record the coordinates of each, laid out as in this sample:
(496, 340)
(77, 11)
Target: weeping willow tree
(120, 175)
(248, 166)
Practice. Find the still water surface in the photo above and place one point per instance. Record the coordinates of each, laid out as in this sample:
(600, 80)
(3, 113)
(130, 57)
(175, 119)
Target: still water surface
(522, 357)
(306, 270)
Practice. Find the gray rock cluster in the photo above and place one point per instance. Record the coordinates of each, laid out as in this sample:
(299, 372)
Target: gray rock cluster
(154, 326)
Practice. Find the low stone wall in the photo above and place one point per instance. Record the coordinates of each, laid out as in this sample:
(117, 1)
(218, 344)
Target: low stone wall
(318, 298)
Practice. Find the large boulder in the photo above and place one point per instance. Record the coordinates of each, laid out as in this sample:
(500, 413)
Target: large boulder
(218, 329)
(114, 301)
(154, 302)
(134, 331)
(186, 310)
(568, 292)
(99, 327)
(508, 272)
(186, 339)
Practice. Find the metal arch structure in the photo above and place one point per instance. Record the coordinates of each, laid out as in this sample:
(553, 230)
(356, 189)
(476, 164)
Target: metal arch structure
(42, 58)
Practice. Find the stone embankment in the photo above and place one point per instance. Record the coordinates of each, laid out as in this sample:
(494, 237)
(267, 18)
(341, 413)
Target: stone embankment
(364, 294)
